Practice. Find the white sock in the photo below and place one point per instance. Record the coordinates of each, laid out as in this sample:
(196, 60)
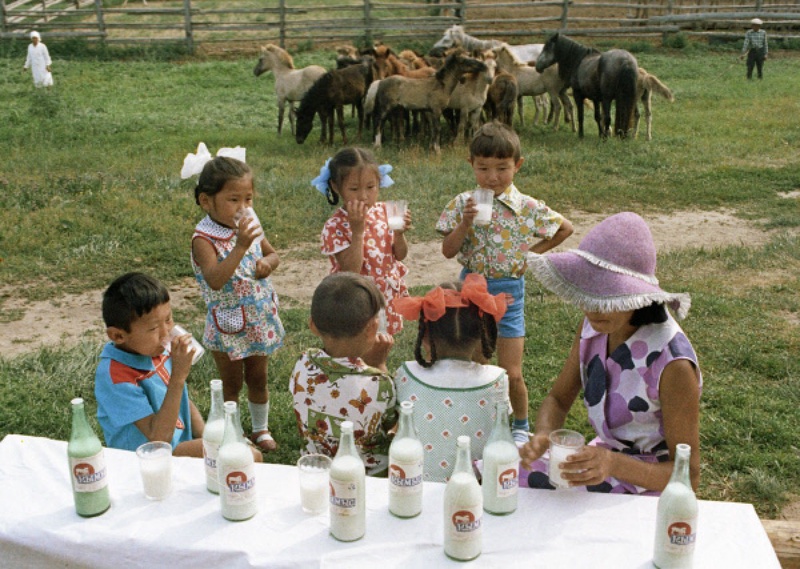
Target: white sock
(259, 416)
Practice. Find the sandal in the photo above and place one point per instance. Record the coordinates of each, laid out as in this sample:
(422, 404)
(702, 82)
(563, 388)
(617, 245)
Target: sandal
(264, 441)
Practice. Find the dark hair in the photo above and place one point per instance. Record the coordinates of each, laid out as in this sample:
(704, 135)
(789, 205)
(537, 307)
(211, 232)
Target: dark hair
(495, 140)
(216, 173)
(656, 313)
(344, 162)
(344, 303)
(131, 296)
(456, 327)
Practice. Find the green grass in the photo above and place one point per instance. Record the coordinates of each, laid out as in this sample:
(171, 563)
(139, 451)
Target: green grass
(89, 189)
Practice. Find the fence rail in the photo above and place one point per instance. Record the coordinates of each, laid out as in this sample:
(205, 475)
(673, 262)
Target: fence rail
(365, 21)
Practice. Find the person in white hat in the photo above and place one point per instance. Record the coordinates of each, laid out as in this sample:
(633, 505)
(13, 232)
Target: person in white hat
(755, 47)
(39, 62)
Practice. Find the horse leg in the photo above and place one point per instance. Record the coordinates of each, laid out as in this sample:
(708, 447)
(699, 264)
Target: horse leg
(360, 111)
(436, 127)
(568, 109)
(340, 118)
(520, 111)
(292, 117)
(604, 119)
(281, 105)
(579, 105)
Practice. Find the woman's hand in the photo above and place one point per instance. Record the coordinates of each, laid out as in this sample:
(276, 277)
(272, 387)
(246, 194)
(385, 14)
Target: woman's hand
(534, 448)
(588, 467)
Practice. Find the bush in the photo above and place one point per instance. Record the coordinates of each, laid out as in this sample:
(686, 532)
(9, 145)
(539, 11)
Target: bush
(675, 41)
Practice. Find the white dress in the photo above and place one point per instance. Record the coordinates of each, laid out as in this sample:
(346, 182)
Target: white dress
(38, 60)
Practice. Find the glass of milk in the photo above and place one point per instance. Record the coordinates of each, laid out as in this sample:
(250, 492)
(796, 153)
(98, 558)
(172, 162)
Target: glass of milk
(196, 348)
(251, 213)
(155, 464)
(395, 213)
(483, 202)
(563, 443)
(312, 471)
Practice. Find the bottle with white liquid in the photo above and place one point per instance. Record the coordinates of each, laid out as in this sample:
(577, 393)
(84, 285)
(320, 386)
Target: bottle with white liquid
(676, 520)
(500, 467)
(463, 508)
(87, 465)
(212, 436)
(348, 488)
(405, 466)
(236, 471)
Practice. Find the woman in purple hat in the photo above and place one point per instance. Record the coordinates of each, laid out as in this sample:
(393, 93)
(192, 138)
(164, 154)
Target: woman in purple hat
(639, 374)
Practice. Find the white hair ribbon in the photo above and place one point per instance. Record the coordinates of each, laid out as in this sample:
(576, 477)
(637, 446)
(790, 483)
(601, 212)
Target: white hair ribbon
(193, 163)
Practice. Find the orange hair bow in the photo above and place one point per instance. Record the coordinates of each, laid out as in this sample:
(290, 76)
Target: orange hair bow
(436, 301)
(476, 292)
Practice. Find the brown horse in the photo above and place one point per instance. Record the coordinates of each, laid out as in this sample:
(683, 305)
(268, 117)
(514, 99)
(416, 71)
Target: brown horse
(501, 100)
(645, 87)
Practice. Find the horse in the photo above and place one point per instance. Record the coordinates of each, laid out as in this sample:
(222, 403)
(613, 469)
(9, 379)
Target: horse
(428, 94)
(330, 93)
(455, 36)
(602, 78)
(290, 83)
(501, 99)
(468, 99)
(646, 85)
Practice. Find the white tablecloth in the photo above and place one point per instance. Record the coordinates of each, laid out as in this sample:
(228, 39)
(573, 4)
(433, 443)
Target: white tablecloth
(39, 526)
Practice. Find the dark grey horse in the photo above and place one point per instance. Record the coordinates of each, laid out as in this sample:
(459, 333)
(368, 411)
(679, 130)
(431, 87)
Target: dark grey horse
(602, 78)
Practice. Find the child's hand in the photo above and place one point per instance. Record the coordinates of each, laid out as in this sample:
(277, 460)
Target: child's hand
(263, 268)
(469, 213)
(248, 232)
(356, 215)
(406, 222)
(379, 352)
(181, 352)
(534, 448)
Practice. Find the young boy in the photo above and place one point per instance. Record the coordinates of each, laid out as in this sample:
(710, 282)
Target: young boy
(520, 225)
(140, 388)
(335, 384)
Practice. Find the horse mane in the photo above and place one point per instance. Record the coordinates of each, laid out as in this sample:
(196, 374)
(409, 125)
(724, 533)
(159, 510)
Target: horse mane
(505, 48)
(315, 97)
(449, 63)
(281, 54)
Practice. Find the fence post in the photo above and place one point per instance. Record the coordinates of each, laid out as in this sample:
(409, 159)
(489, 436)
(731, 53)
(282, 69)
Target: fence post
(187, 25)
(367, 23)
(564, 14)
(3, 16)
(101, 24)
(759, 5)
(282, 23)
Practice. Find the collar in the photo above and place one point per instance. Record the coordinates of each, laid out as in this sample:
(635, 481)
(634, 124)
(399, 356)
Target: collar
(135, 361)
(512, 198)
(214, 230)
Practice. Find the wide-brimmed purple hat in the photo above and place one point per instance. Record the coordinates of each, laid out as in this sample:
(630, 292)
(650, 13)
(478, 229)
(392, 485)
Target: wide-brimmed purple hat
(612, 270)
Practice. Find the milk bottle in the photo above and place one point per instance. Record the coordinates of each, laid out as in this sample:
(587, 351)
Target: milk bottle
(500, 467)
(676, 520)
(463, 508)
(87, 465)
(405, 466)
(212, 436)
(347, 497)
(236, 472)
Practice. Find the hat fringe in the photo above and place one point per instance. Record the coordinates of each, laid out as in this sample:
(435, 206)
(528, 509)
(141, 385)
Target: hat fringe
(543, 270)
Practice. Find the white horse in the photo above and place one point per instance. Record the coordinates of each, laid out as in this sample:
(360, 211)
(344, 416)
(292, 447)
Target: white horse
(455, 36)
(290, 83)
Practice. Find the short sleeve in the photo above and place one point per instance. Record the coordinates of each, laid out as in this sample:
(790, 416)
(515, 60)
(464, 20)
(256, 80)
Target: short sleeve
(121, 403)
(541, 220)
(451, 216)
(336, 234)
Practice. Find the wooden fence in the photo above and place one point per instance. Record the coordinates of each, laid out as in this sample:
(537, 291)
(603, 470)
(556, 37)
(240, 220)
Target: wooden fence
(364, 21)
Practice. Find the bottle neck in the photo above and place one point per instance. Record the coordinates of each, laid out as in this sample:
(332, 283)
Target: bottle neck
(231, 432)
(347, 444)
(680, 472)
(463, 460)
(405, 426)
(217, 401)
(501, 430)
(80, 424)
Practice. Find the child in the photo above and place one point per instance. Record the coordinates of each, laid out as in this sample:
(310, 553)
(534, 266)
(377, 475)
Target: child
(335, 384)
(357, 237)
(232, 261)
(452, 395)
(498, 251)
(141, 388)
(637, 370)
(39, 62)
(755, 47)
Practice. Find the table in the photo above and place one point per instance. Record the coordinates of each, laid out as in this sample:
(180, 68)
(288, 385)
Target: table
(39, 526)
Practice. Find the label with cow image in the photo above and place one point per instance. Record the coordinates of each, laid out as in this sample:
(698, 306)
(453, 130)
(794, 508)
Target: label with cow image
(507, 479)
(465, 524)
(237, 483)
(680, 536)
(88, 473)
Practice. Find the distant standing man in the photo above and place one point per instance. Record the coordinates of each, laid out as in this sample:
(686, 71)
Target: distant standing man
(39, 61)
(756, 48)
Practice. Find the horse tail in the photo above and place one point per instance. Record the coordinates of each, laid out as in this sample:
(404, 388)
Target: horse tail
(626, 99)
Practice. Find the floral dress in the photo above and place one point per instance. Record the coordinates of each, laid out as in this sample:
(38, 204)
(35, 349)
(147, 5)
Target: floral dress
(621, 394)
(242, 318)
(379, 262)
(328, 391)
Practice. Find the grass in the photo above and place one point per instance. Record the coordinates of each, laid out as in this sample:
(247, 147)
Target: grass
(89, 189)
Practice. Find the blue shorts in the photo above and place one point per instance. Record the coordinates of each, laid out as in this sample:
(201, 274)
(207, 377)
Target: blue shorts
(512, 325)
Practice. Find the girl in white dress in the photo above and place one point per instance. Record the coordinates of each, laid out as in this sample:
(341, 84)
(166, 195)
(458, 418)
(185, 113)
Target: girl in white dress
(39, 62)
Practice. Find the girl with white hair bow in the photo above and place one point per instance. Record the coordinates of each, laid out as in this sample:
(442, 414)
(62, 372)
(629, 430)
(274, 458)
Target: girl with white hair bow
(39, 61)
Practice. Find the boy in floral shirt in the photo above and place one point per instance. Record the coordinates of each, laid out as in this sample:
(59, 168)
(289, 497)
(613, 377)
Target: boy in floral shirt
(519, 225)
(333, 384)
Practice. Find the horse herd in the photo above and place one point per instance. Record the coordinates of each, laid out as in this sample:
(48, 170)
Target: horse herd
(466, 80)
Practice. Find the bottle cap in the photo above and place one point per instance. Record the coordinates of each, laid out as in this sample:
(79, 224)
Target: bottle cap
(406, 406)
(347, 426)
(216, 384)
(77, 401)
(230, 406)
(463, 441)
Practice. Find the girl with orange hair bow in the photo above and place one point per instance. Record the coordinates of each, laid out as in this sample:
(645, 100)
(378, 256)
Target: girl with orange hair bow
(452, 394)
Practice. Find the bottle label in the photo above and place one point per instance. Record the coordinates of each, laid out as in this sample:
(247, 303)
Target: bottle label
(507, 479)
(465, 524)
(88, 473)
(238, 485)
(343, 498)
(210, 454)
(680, 536)
(405, 478)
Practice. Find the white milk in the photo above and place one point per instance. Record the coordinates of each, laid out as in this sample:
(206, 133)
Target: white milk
(463, 511)
(676, 527)
(500, 477)
(396, 222)
(156, 472)
(314, 490)
(212, 439)
(237, 487)
(484, 215)
(347, 498)
(405, 477)
(558, 455)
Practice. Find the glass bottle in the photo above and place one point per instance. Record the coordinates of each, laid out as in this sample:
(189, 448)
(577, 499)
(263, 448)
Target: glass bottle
(347, 500)
(236, 471)
(676, 518)
(212, 435)
(87, 465)
(500, 467)
(406, 458)
(463, 508)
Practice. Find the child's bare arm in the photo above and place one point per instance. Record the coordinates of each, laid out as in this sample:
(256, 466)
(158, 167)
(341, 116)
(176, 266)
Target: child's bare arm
(455, 239)
(215, 272)
(267, 264)
(563, 232)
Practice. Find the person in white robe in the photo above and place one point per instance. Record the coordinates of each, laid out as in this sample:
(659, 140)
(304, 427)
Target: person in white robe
(39, 62)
